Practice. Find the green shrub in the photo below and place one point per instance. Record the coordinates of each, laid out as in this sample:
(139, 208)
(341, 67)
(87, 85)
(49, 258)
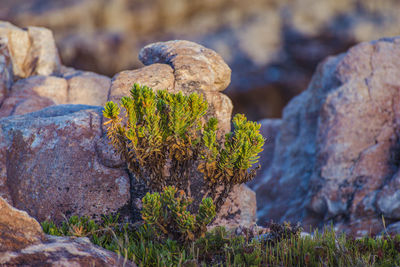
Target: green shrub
(162, 135)
(167, 213)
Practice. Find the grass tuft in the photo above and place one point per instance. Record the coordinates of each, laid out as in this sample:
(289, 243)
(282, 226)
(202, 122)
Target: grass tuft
(279, 245)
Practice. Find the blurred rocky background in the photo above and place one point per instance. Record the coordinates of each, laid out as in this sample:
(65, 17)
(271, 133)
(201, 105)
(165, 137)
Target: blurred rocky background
(272, 46)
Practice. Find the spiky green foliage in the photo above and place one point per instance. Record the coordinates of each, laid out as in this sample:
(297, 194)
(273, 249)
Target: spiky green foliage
(227, 165)
(220, 247)
(167, 213)
(162, 135)
(158, 136)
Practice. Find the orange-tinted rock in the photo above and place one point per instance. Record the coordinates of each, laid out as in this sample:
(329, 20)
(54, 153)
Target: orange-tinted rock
(162, 76)
(33, 51)
(23, 243)
(17, 229)
(156, 76)
(34, 93)
(195, 67)
(239, 208)
(87, 88)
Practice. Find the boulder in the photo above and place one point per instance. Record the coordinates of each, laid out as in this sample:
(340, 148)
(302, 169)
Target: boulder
(32, 77)
(219, 106)
(195, 67)
(156, 76)
(50, 164)
(23, 243)
(192, 68)
(63, 251)
(239, 209)
(336, 154)
(87, 88)
(37, 92)
(32, 50)
(17, 229)
(34, 93)
(43, 55)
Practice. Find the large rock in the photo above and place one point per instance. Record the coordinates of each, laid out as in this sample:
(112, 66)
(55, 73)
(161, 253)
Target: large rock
(195, 67)
(336, 154)
(51, 165)
(156, 76)
(87, 88)
(37, 92)
(32, 77)
(17, 229)
(33, 51)
(57, 162)
(63, 251)
(239, 209)
(23, 243)
(34, 93)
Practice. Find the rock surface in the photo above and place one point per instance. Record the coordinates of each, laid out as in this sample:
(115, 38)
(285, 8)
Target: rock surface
(63, 251)
(33, 51)
(195, 67)
(33, 78)
(50, 165)
(87, 88)
(239, 209)
(336, 154)
(17, 229)
(156, 76)
(34, 93)
(23, 243)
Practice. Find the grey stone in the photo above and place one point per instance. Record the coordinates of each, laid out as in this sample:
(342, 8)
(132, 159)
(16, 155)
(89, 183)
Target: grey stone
(337, 144)
(50, 164)
(17, 229)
